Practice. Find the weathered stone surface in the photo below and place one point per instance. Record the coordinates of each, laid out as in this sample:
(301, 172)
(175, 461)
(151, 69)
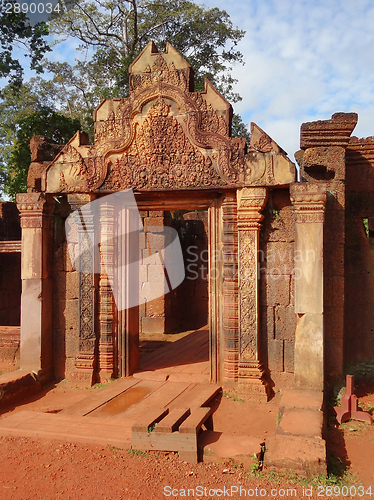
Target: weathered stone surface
(15, 386)
(266, 163)
(289, 356)
(306, 456)
(153, 325)
(217, 446)
(279, 258)
(324, 164)
(309, 202)
(301, 422)
(333, 132)
(359, 165)
(156, 307)
(275, 355)
(285, 323)
(309, 352)
(275, 290)
(308, 400)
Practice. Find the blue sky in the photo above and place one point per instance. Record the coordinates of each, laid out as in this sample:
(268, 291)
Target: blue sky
(304, 61)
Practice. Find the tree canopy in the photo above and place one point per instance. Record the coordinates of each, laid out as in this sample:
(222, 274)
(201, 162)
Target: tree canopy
(119, 30)
(111, 33)
(45, 122)
(15, 33)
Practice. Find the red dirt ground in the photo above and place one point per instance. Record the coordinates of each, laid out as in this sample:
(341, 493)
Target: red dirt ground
(46, 469)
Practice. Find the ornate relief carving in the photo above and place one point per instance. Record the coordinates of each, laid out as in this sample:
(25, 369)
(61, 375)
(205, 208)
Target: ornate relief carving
(160, 157)
(162, 137)
(160, 72)
(230, 287)
(308, 202)
(106, 312)
(35, 211)
(251, 202)
(84, 362)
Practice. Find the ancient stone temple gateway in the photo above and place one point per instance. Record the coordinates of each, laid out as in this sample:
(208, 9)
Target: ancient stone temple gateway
(276, 307)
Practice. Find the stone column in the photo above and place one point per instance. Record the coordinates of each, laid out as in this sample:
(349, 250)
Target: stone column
(106, 300)
(85, 362)
(36, 213)
(309, 207)
(230, 287)
(250, 203)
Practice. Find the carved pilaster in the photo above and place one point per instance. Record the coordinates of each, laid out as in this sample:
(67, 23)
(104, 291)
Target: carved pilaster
(106, 310)
(309, 205)
(36, 213)
(230, 287)
(308, 202)
(85, 361)
(250, 203)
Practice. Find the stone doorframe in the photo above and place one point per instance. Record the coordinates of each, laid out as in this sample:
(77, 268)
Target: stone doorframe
(234, 225)
(169, 144)
(108, 341)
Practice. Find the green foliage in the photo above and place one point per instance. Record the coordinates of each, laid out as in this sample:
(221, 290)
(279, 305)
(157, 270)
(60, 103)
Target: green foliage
(15, 33)
(238, 128)
(232, 396)
(14, 106)
(138, 453)
(100, 385)
(42, 122)
(119, 31)
(366, 226)
(363, 370)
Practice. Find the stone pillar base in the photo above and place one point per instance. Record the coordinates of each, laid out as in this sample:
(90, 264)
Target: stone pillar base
(84, 368)
(252, 382)
(231, 365)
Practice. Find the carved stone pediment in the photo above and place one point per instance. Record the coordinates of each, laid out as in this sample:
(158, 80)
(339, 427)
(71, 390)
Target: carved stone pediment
(266, 163)
(163, 137)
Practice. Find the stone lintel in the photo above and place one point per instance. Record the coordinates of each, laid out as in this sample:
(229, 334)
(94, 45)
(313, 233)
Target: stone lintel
(333, 132)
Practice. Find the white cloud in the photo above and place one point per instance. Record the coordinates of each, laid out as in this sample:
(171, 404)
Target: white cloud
(305, 60)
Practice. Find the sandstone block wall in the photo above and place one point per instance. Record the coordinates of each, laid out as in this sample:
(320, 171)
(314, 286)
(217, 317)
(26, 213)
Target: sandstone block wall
(10, 289)
(192, 293)
(157, 315)
(359, 251)
(10, 267)
(65, 303)
(185, 307)
(277, 277)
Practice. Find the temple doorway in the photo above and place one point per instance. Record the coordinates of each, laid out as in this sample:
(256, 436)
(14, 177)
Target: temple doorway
(174, 329)
(175, 335)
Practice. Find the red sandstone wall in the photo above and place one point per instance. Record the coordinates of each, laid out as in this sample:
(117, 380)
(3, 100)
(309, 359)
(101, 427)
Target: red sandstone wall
(10, 267)
(359, 252)
(10, 289)
(10, 228)
(277, 305)
(186, 307)
(65, 303)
